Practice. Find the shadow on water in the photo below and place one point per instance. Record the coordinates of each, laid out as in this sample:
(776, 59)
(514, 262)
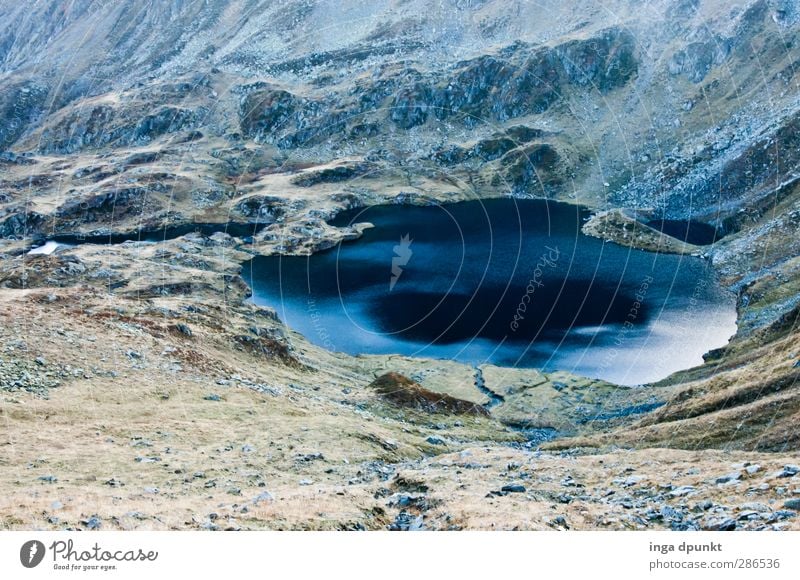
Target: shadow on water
(690, 231)
(457, 317)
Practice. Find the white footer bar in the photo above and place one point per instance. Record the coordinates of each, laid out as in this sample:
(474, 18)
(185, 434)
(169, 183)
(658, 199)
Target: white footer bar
(356, 555)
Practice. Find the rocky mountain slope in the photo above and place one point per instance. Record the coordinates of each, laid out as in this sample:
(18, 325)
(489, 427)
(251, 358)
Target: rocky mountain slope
(268, 118)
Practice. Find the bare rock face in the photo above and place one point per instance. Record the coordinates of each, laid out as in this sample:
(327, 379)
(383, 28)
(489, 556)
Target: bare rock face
(269, 111)
(699, 58)
(410, 106)
(262, 114)
(264, 209)
(21, 105)
(533, 168)
(105, 125)
(455, 81)
(21, 225)
(606, 62)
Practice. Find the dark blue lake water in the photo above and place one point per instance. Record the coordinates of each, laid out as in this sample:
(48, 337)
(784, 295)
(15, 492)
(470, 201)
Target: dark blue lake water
(505, 281)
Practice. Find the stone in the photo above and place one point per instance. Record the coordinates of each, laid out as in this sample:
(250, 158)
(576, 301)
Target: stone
(729, 477)
(308, 457)
(752, 469)
(435, 440)
(669, 513)
(683, 525)
(682, 491)
(755, 506)
(559, 521)
(781, 515)
(401, 523)
(264, 496)
(183, 329)
(417, 525)
(720, 525)
(792, 504)
(513, 488)
(92, 523)
(704, 505)
(404, 522)
(632, 480)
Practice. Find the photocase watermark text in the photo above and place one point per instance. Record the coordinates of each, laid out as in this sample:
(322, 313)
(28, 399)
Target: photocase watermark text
(320, 329)
(630, 319)
(546, 260)
(65, 550)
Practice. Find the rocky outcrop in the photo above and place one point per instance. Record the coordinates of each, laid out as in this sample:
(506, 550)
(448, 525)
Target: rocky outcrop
(265, 112)
(265, 209)
(410, 106)
(534, 169)
(21, 225)
(335, 174)
(519, 80)
(102, 206)
(404, 392)
(698, 58)
(107, 125)
(605, 62)
(21, 106)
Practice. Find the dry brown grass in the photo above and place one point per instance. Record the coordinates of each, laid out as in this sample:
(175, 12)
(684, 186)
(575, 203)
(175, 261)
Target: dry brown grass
(402, 391)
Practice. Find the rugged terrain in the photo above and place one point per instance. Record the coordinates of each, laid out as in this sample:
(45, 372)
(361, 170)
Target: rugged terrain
(140, 389)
